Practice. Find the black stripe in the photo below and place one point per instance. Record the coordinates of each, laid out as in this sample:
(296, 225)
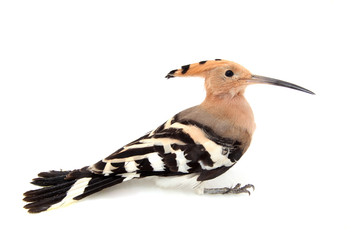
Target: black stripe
(206, 159)
(173, 71)
(53, 173)
(132, 152)
(210, 174)
(218, 59)
(100, 165)
(79, 173)
(114, 153)
(185, 68)
(134, 142)
(160, 128)
(235, 154)
(165, 173)
(48, 181)
(175, 133)
(202, 62)
(170, 162)
(144, 165)
(120, 167)
(194, 167)
(171, 74)
(159, 149)
(174, 119)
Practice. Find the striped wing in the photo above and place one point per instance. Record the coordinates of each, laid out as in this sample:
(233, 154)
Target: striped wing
(174, 148)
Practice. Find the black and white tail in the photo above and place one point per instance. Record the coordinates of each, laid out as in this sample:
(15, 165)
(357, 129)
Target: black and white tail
(61, 188)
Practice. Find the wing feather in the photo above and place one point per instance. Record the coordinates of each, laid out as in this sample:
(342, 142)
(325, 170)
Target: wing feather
(175, 147)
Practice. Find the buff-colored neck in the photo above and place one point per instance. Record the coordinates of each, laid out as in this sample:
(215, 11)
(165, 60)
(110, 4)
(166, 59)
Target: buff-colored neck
(234, 109)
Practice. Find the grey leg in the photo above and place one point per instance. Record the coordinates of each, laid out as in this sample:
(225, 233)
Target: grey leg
(235, 190)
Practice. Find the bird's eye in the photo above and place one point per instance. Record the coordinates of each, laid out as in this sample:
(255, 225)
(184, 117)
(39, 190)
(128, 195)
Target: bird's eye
(229, 73)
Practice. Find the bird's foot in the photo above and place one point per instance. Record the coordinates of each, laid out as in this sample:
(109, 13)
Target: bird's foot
(235, 190)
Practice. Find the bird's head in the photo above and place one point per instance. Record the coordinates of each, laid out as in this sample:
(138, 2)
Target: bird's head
(226, 78)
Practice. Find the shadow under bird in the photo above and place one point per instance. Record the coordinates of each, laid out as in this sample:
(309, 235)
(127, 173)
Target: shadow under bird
(196, 145)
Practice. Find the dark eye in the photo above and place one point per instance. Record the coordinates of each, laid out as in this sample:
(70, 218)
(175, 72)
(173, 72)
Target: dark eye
(229, 73)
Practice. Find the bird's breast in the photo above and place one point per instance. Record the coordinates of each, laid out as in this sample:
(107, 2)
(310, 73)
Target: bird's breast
(238, 126)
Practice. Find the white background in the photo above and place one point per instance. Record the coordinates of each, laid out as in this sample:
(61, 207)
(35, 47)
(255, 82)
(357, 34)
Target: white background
(79, 79)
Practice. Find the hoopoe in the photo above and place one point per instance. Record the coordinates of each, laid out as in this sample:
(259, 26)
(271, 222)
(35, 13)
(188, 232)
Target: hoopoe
(196, 145)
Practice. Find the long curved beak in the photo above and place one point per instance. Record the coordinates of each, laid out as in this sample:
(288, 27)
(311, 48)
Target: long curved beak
(277, 82)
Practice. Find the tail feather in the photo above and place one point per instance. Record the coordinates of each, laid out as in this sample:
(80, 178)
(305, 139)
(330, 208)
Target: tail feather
(43, 182)
(97, 186)
(44, 204)
(61, 188)
(53, 173)
(38, 194)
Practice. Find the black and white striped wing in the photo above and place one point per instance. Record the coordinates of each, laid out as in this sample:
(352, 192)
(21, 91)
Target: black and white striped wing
(174, 148)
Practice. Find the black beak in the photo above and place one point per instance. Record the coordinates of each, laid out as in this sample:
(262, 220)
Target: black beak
(273, 81)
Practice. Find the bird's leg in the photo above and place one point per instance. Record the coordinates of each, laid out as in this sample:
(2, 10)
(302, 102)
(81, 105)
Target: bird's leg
(235, 190)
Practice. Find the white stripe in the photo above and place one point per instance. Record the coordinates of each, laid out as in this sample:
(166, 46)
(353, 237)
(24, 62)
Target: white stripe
(165, 142)
(126, 160)
(108, 169)
(181, 162)
(168, 123)
(77, 189)
(156, 162)
(131, 166)
(139, 145)
(129, 176)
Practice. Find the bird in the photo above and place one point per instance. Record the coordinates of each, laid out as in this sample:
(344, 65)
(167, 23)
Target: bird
(196, 145)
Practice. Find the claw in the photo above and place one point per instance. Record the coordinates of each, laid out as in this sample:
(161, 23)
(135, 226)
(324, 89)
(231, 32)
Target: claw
(237, 186)
(250, 186)
(238, 189)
